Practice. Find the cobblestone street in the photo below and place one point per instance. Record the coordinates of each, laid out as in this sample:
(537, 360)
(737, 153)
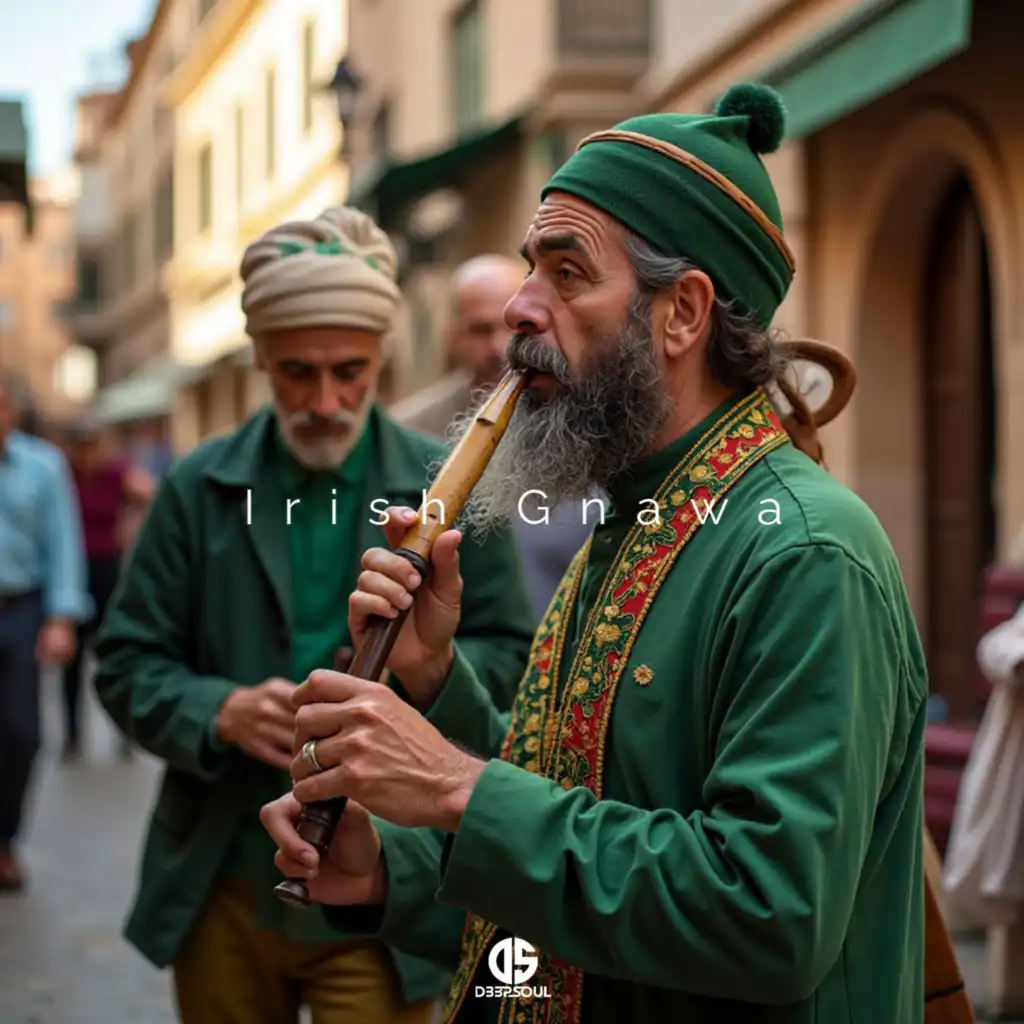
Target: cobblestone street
(62, 958)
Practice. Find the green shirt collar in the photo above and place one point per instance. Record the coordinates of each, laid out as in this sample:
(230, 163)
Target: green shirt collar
(650, 473)
(294, 475)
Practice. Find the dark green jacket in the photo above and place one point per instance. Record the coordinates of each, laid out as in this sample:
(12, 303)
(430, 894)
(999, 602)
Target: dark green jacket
(204, 607)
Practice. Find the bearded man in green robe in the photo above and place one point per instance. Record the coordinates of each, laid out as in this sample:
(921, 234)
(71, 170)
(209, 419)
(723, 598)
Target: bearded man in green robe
(706, 804)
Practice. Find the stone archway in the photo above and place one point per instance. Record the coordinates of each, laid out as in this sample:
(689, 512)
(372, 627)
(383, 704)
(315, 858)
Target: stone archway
(926, 351)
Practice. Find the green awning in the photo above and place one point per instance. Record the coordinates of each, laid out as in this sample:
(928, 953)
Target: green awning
(13, 153)
(881, 46)
(384, 193)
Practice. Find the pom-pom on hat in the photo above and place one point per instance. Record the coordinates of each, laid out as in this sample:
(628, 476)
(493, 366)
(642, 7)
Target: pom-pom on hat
(694, 186)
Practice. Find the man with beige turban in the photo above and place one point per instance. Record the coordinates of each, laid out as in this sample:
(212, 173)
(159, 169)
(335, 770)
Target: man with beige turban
(238, 588)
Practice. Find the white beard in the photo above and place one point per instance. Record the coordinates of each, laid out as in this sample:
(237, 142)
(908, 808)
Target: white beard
(328, 452)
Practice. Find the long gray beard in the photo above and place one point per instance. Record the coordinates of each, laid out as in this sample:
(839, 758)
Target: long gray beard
(588, 435)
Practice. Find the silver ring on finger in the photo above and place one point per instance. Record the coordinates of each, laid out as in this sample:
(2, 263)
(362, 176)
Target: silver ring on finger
(309, 757)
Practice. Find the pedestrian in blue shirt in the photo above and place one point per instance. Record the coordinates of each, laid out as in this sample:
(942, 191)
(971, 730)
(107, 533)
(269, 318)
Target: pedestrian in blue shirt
(43, 596)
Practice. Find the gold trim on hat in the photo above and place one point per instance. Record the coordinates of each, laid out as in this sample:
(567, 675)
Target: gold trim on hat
(707, 172)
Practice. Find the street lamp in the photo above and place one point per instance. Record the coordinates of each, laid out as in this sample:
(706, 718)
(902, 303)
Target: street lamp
(346, 86)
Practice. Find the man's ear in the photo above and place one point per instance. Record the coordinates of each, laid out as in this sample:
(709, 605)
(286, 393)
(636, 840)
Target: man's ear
(259, 359)
(686, 313)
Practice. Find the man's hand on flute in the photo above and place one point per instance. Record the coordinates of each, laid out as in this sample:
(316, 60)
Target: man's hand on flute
(352, 872)
(373, 746)
(422, 656)
(377, 749)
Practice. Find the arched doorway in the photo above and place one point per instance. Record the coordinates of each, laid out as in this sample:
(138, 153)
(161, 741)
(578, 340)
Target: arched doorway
(958, 410)
(923, 431)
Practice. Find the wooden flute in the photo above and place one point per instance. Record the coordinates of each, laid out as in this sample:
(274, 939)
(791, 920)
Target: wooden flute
(443, 503)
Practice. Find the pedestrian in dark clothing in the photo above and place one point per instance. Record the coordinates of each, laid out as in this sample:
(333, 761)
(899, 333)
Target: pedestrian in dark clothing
(42, 597)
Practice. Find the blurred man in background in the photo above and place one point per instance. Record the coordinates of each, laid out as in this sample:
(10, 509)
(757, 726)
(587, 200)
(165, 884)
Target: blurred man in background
(149, 450)
(42, 598)
(546, 536)
(477, 338)
(106, 486)
(237, 589)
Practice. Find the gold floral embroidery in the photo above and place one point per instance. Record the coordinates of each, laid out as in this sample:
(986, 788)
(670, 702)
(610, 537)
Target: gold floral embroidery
(642, 675)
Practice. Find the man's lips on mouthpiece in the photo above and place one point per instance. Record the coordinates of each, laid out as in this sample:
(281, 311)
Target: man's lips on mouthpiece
(534, 375)
(543, 380)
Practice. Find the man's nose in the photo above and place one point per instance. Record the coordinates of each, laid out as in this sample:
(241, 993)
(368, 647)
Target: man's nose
(526, 313)
(326, 401)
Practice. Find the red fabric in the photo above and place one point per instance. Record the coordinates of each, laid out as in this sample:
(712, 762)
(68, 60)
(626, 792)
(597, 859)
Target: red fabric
(101, 499)
(949, 744)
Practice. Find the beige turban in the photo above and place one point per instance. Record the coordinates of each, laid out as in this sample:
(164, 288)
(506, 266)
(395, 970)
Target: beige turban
(335, 271)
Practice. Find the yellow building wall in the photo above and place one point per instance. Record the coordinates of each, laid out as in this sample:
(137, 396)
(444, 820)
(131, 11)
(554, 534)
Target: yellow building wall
(246, 198)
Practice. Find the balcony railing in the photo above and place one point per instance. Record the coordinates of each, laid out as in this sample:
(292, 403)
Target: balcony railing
(604, 28)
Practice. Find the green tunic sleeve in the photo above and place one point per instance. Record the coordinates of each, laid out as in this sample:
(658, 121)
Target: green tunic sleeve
(810, 718)
(465, 713)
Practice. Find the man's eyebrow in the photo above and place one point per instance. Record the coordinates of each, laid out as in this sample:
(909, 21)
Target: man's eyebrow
(556, 243)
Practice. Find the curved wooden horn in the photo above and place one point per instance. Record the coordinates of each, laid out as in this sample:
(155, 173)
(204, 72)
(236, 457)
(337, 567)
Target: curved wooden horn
(801, 423)
(839, 368)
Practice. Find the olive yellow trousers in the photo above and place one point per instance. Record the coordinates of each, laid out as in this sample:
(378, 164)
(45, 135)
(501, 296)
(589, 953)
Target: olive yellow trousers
(230, 971)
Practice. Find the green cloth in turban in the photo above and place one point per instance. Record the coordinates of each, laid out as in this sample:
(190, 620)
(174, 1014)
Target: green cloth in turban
(694, 186)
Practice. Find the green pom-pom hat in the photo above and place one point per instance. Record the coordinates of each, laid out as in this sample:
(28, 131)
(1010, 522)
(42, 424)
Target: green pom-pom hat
(694, 186)
(762, 107)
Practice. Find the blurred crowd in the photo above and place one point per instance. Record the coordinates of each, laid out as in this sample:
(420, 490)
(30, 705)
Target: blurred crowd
(71, 501)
